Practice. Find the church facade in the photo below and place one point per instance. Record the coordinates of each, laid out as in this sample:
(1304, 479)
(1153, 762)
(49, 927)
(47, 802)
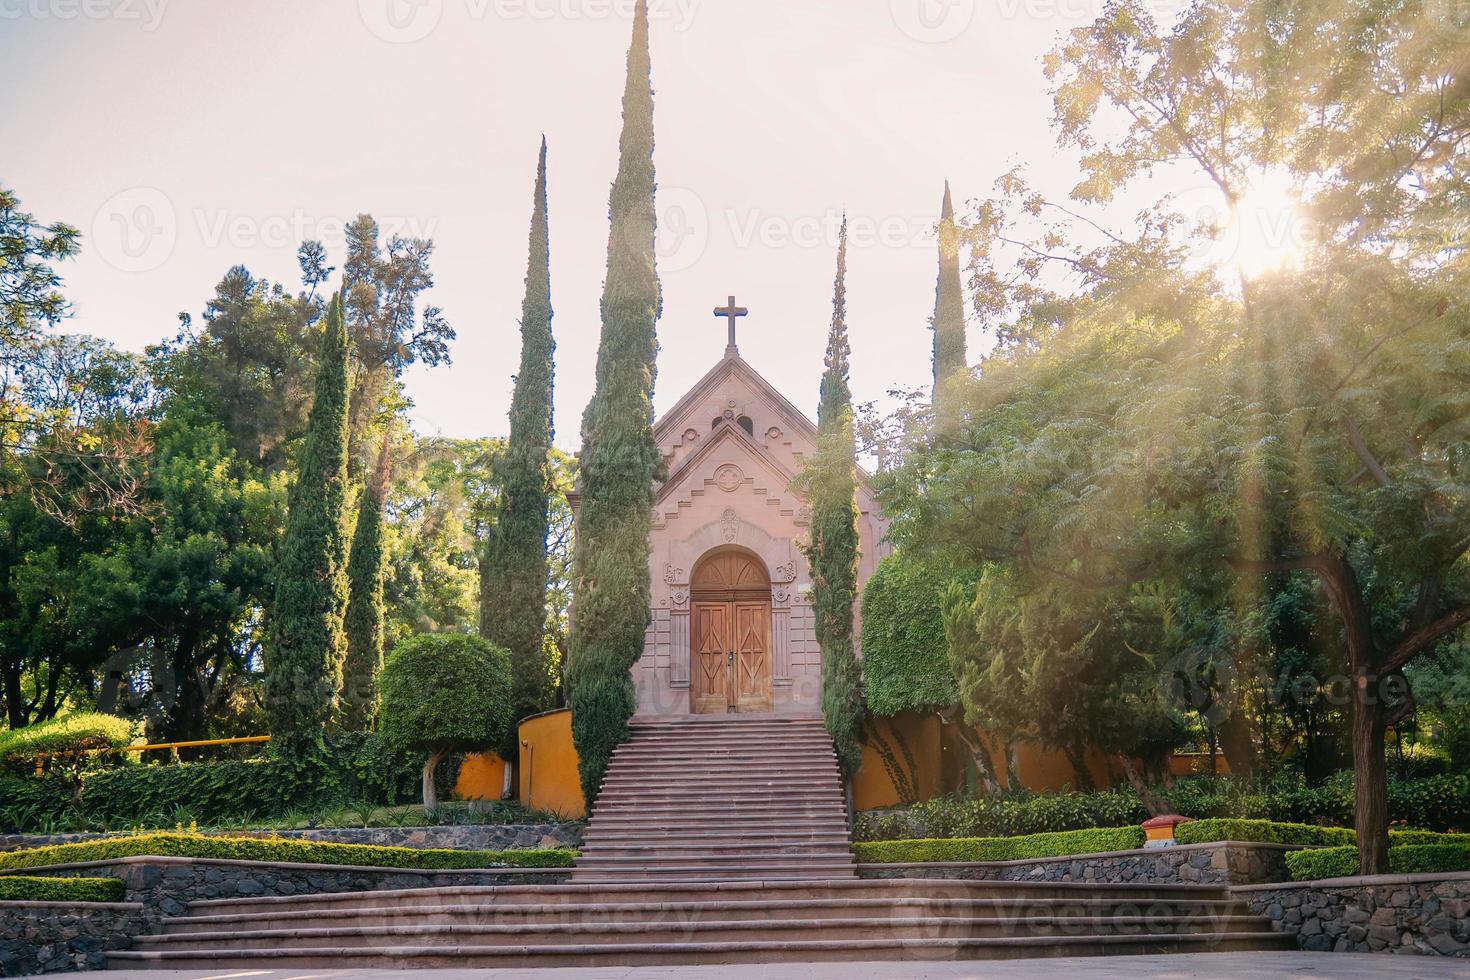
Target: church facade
(732, 628)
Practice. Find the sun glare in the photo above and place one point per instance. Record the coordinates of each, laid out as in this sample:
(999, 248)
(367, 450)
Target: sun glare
(1267, 230)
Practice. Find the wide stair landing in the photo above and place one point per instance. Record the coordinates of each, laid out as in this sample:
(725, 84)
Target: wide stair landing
(720, 798)
(685, 923)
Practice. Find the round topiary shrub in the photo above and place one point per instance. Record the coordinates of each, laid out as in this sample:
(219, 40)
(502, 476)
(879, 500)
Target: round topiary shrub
(443, 693)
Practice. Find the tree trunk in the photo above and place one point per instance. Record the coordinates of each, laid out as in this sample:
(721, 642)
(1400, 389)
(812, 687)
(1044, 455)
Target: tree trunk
(1238, 742)
(431, 794)
(1370, 778)
(1077, 755)
(975, 746)
(1156, 805)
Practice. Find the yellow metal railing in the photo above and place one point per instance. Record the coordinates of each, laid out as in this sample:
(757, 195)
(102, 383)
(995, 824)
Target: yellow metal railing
(171, 747)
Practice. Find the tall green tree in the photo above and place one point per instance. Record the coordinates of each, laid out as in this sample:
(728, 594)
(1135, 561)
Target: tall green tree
(830, 485)
(620, 460)
(949, 303)
(364, 622)
(304, 669)
(513, 573)
(30, 297)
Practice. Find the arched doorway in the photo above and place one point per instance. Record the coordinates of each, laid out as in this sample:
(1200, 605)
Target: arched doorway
(730, 638)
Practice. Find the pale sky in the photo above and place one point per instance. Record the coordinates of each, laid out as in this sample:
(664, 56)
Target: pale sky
(187, 136)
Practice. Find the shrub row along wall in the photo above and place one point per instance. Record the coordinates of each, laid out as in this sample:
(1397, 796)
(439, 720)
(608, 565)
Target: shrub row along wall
(48, 937)
(166, 885)
(459, 837)
(1387, 913)
(1210, 864)
(1431, 803)
(279, 850)
(355, 768)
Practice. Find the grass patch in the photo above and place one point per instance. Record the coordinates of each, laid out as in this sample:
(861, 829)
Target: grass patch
(1059, 844)
(1406, 859)
(281, 850)
(18, 888)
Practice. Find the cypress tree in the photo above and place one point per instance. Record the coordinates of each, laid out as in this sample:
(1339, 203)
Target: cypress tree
(363, 625)
(619, 460)
(948, 324)
(513, 572)
(830, 482)
(304, 670)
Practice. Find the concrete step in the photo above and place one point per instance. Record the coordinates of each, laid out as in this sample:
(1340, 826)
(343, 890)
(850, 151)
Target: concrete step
(712, 930)
(577, 894)
(517, 956)
(756, 909)
(785, 850)
(684, 837)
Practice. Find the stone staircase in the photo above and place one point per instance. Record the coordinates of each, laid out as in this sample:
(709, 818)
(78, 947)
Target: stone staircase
(686, 923)
(720, 798)
(715, 841)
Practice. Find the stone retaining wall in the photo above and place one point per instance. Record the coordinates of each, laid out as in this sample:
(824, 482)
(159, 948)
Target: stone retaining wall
(458, 837)
(1222, 863)
(165, 885)
(1427, 913)
(52, 937)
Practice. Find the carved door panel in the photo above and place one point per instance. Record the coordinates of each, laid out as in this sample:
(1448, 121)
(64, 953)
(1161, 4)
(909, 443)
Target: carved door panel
(712, 642)
(752, 665)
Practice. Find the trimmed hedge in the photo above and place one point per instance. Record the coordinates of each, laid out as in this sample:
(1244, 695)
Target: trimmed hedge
(1266, 831)
(19, 888)
(1342, 862)
(74, 733)
(1093, 841)
(281, 850)
(1434, 802)
(1263, 831)
(356, 768)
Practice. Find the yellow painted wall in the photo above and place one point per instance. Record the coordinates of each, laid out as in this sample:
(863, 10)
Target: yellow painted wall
(548, 777)
(481, 777)
(873, 787)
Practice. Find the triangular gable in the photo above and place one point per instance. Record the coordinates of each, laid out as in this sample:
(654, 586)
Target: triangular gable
(732, 366)
(780, 475)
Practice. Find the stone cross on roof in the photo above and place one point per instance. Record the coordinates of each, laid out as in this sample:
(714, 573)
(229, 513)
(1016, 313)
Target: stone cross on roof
(731, 313)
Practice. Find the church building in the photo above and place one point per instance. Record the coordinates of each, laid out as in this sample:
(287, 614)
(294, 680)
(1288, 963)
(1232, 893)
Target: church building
(732, 627)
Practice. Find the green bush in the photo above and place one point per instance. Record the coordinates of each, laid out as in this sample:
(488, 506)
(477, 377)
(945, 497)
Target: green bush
(281, 850)
(17, 888)
(1436, 803)
(1342, 862)
(1092, 841)
(906, 664)
(355, 768)
(1214, 829)
(443, 693)
(74, 733)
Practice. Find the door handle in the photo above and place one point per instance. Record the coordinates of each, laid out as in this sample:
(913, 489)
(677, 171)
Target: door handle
(730, 658)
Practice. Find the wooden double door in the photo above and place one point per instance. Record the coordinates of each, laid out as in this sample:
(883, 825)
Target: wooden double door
(730, 638)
